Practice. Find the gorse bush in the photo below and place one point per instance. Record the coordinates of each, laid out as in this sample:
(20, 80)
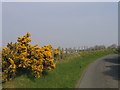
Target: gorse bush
(22, 55)
(58, 53)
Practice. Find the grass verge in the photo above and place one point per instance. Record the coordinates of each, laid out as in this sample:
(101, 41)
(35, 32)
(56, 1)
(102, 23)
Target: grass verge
(66, 74)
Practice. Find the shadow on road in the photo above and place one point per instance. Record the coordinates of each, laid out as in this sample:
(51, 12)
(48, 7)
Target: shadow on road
(114, 69)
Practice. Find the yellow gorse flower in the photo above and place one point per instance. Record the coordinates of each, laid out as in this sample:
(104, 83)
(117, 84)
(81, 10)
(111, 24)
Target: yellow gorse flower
(56, 51)
(5, 48)
(11, 61)
(23, 55)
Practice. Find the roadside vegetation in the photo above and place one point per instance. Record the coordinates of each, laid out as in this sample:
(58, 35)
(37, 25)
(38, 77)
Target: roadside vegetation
(65, 75)
(27, 66)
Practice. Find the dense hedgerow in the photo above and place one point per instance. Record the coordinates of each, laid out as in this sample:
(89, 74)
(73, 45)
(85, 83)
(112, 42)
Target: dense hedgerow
(27, 57)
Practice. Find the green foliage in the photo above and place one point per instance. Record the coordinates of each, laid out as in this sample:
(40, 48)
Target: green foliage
(65, 75)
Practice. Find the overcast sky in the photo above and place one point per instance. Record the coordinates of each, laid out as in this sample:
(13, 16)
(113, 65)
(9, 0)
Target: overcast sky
(61, 24)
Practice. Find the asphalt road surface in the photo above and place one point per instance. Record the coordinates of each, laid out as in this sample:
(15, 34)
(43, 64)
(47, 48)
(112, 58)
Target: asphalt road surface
(103, 73)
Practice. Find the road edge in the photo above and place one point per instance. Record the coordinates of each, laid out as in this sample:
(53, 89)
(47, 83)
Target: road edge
(85, 69)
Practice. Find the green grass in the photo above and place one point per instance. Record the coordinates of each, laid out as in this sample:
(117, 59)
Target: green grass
(65, 75)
